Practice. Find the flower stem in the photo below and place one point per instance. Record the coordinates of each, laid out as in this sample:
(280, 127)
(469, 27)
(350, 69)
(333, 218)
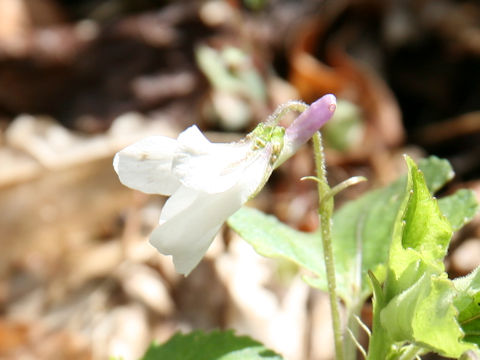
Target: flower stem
(325, 210)
(285, 108)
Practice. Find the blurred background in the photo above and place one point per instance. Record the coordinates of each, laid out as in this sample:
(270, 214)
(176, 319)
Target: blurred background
(79, 80)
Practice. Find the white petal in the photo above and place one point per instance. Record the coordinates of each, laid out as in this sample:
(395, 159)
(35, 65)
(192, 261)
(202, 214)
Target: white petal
(146, 165)
(256, 172)
(190, 219)
(179, 201)
(212, 168)
(187, 260)
(191, 224)
(194, 137)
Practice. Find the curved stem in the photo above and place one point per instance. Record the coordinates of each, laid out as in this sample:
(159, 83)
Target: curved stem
(285, 108)
(325, 210)
(345, 184)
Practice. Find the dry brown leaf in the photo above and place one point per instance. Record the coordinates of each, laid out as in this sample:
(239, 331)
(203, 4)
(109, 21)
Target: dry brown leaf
(466, 124)
(12, 336)
(142, 283)
(122, 332)
(466, 257)
(95, 261)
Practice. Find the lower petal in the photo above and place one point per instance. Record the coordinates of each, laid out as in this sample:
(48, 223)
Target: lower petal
(178, 202)
(188, 229)
(187, 259)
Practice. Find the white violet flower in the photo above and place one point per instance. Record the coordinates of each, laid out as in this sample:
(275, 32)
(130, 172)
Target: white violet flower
(208, 182)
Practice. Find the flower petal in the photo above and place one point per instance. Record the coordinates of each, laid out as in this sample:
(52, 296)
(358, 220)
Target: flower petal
(185, 261)
(212, 168)
(188, 233)
(256, 172)
(178, 202)
(146, 165)
(190, 218)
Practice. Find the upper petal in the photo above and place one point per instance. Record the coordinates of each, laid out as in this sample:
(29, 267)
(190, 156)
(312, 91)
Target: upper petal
(208, 167)
(146, 165)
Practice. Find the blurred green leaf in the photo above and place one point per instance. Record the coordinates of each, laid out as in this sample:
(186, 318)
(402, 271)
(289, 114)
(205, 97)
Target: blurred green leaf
(459, 208)
(231, 70)
(216, 345)
(345, 129)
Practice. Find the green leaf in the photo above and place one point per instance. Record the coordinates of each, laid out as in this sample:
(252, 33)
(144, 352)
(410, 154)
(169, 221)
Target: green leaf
(362, 232)
(419, 295)
(467, 287)
(459, 208)
(345, 129)
(437, 172)
(216, 345)
(469, 320)
(421, 232)
(425, 230)
(272, 238)
(424, 315)
(217, 66)
(468, 304)
(367, 224)
(378, 347)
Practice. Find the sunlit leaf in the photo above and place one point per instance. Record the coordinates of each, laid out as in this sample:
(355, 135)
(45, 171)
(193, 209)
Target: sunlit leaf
(216, 345)
(421, 234)
(467, 302)
(419, 306)
(424, 315)
(362, 232)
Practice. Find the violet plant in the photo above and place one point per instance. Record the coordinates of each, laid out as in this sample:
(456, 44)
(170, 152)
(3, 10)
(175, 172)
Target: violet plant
(389, 243)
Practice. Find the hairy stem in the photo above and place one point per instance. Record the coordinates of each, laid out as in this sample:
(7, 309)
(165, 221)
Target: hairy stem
(285, 108)
(325, 210)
